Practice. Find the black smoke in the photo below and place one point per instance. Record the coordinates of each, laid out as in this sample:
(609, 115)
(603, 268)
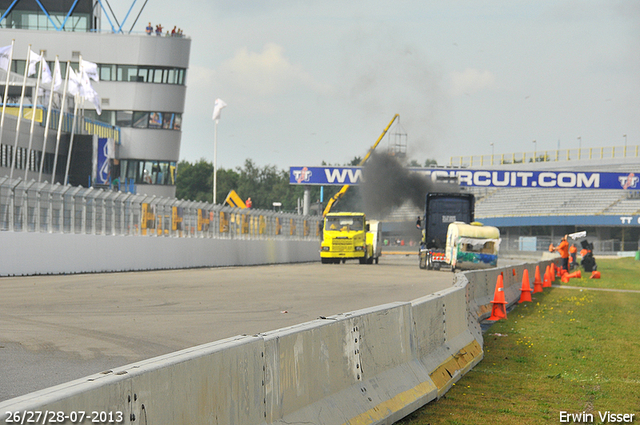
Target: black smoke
(388, 184)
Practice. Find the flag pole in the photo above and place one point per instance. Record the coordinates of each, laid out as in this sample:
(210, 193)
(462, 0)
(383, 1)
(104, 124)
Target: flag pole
(76, 100)
(64, 99)
(19, 120)
(46, 127)
(6, 90)
(34, 109)
(215, 160)
(219, 104)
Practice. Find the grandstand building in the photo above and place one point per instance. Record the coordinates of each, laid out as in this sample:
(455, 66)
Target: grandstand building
(531, 217)
(142, 85)
(611, 217)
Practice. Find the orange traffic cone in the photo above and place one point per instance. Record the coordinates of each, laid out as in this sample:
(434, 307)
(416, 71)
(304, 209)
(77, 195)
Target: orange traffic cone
(514, 272)
(499, 308)
(546, 283)
(574, 274)
(553, 270)
(537, 283)
(536, 278)
(565, 278)
(560, 271)
(595, 275)
(525, 291)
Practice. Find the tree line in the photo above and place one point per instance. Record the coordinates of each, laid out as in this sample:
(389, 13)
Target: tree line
(264, 185)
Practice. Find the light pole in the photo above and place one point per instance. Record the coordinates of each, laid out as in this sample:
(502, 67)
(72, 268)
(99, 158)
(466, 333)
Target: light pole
(535, 149)
(579, 146)
(491, 152)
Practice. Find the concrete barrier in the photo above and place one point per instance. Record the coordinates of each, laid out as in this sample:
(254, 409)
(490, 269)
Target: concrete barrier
(371, 366)
(57, 253)
(197, 385)
(354, 367)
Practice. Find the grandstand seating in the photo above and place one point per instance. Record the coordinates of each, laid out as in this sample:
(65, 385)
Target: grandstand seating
(527, 202)
(514, 202)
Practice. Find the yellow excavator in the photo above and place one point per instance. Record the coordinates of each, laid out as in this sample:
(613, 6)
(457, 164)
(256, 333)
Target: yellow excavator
(335, 198)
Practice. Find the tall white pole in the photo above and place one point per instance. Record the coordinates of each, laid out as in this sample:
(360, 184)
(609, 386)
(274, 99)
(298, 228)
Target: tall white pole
(215, 161)
(19, 120)
(76, 100)
(34, 109)
(59, 134)
(46, 127)
(6, 90)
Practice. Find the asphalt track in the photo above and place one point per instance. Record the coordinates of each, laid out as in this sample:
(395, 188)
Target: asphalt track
(57, 328)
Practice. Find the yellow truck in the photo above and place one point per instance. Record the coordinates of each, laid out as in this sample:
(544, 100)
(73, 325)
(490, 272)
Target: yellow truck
(348, 236)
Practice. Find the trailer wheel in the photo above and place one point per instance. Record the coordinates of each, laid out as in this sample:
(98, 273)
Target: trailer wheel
(423, 261)
(325, 260)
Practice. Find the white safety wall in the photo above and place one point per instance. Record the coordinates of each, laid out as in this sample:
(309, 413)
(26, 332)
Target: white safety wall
(25, 253)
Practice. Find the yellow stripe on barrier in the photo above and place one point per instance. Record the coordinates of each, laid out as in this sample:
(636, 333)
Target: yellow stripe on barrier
(443, 374)
(392, 405)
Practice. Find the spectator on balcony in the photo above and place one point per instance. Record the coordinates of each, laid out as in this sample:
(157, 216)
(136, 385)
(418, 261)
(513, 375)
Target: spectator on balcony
(149, 29)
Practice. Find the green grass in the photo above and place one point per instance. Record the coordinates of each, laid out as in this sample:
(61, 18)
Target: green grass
(570, 350)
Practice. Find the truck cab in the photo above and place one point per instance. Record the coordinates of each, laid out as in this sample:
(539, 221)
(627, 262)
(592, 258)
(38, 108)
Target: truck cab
(346, 236)
(442, 209)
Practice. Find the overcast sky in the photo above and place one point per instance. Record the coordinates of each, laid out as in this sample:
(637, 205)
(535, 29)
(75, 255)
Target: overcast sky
(313, 81)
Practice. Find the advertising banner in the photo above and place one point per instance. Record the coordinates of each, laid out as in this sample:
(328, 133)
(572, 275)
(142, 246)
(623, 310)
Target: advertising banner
(104, 150)
(327, 176)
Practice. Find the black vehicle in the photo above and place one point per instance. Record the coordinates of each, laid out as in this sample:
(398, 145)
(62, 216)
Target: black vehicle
(442, 209)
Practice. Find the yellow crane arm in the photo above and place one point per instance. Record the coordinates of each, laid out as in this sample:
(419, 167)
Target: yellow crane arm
(335, 198)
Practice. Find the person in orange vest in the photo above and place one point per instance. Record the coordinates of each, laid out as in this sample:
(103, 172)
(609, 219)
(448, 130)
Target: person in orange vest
(563, 250)
(248, 203)
(573, 253)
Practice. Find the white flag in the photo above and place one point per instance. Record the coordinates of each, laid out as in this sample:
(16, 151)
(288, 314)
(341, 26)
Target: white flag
(217, 108)
(578, 235)
(91, 69)
(57, 76)
(34, 58)
(75, 84)
(5, 52)
(46, 72)
(89, 93)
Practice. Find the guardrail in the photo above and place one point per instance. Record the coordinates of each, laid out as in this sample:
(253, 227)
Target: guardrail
(45, 208)
(546, 156)
(370, 366)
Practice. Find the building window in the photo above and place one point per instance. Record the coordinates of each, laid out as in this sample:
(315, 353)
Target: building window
(124, 118)
(141, 74)
(138, 119)
(148, 172)
(37, 20)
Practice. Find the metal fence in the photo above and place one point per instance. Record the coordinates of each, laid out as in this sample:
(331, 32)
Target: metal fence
(611, 152)
(42, 207)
